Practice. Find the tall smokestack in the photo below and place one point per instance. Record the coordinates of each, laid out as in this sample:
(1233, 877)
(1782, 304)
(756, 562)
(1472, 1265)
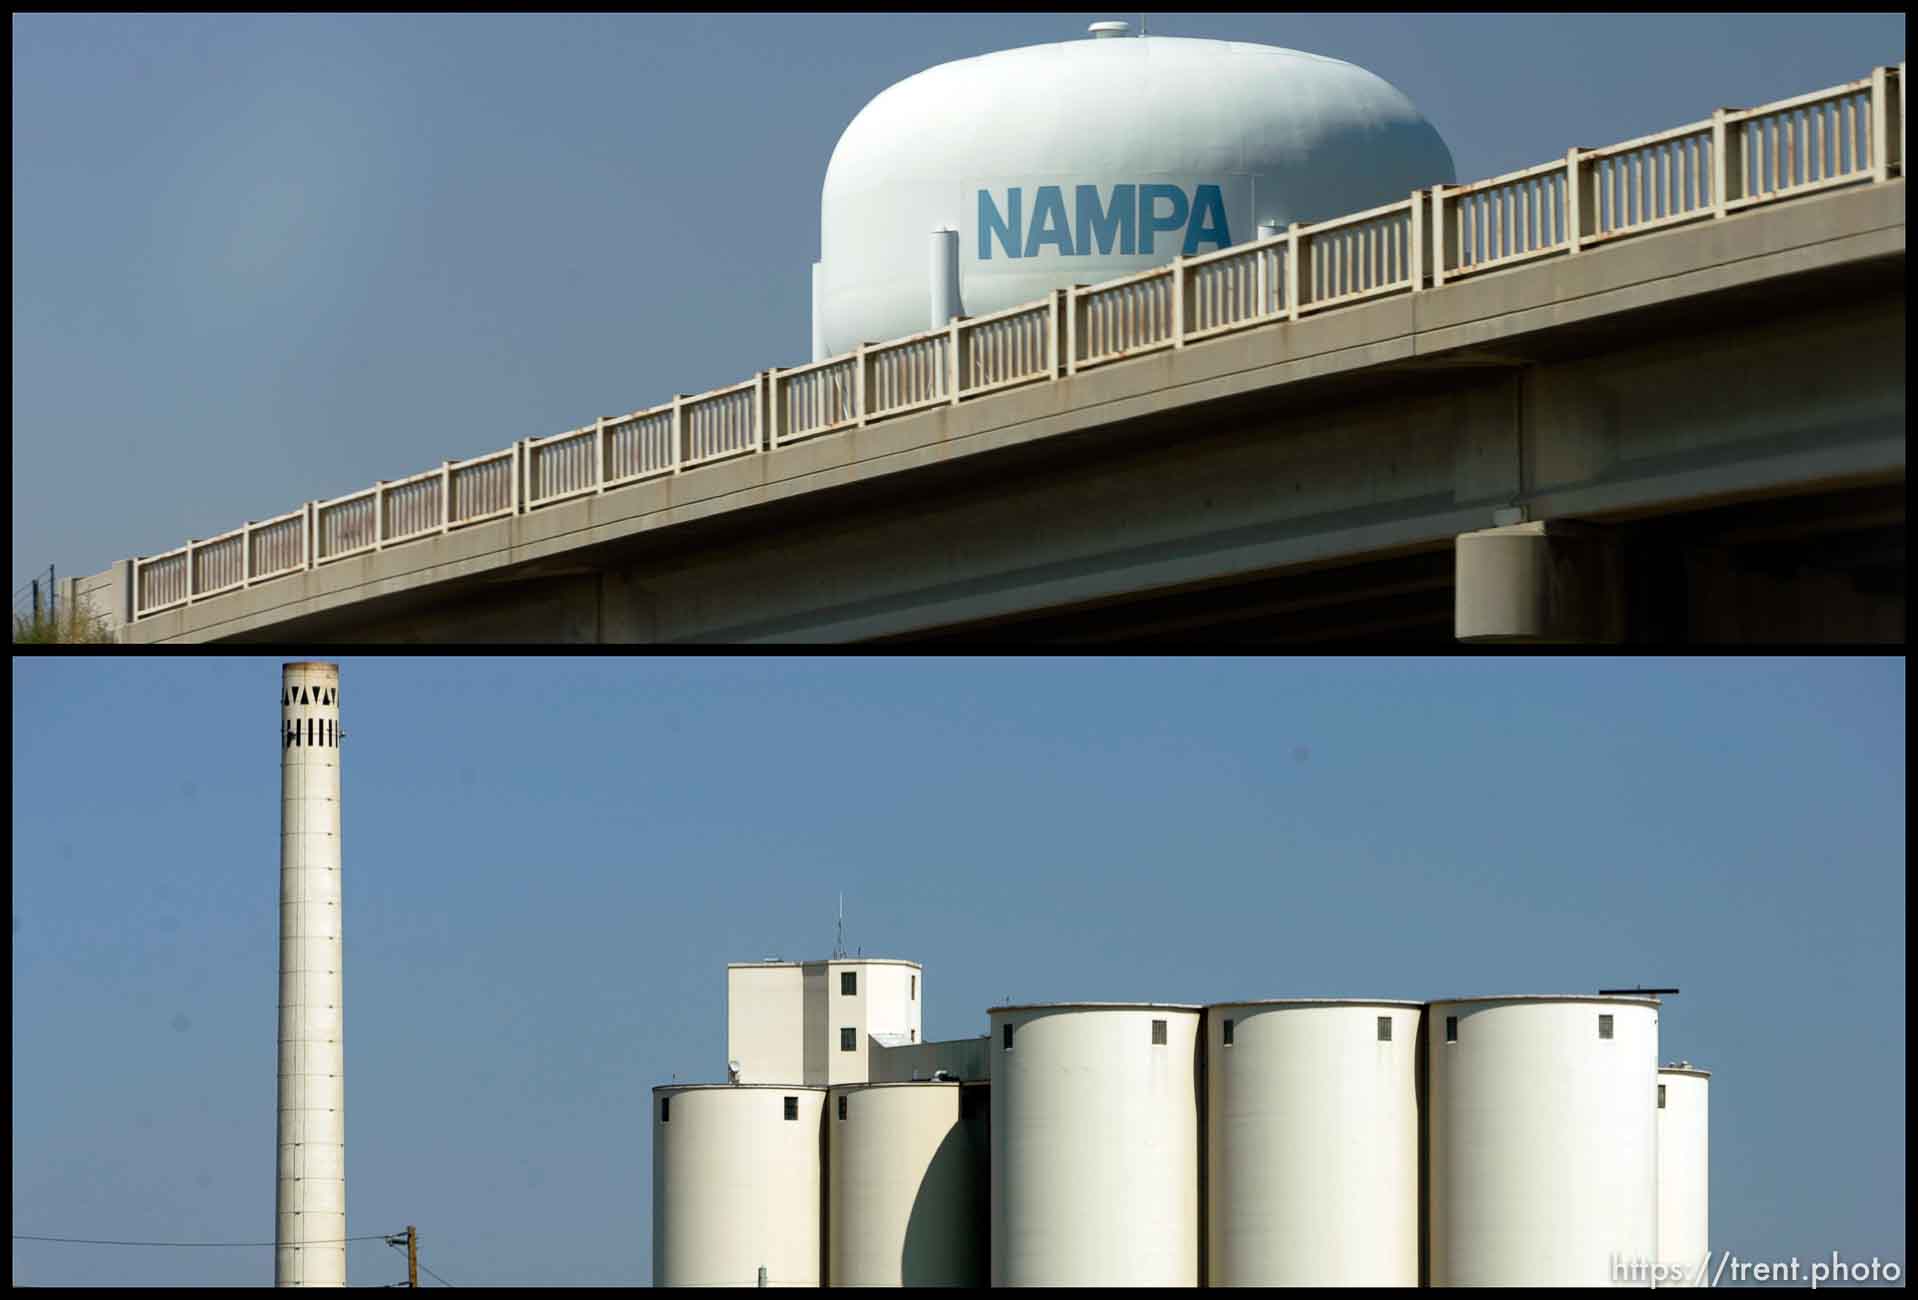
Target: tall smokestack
(310, 1246)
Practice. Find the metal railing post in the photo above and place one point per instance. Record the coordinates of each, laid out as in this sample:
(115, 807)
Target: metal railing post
(310, 533)
(1178, 301)
(446, 496)
(246, 554)
(1438, 236)
(1073, 302)
(859, 386)
(1055, 323)
(1294, 270)
(1728, 163)
(1415, 236)
(1882, 144)
(1577, 215)
(953, 370)
(679, 433)
(379, 515)
(189, 568)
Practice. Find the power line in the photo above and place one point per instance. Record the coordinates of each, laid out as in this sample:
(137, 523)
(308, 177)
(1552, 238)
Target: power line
(429, 1269)
(90, 1241)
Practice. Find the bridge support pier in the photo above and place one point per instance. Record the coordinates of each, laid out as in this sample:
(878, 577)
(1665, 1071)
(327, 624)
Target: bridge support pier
(1541, 581)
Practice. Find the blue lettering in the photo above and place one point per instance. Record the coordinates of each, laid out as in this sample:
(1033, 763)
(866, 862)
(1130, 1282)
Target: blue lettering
(1049, 223)
(1103, 224)
(1124, 223)
(1149, 223)
(990, 222)
(1208, 221)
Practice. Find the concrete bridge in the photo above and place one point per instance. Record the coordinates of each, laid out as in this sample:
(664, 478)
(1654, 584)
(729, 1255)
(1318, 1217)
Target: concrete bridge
(1694, 434)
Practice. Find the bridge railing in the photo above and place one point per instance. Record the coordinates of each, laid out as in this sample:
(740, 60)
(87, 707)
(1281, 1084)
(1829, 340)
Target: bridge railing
(1737, 158)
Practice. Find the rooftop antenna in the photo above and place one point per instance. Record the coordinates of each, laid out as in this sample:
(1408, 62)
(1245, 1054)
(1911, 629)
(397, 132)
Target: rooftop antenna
(1142, 24)
(839, 941)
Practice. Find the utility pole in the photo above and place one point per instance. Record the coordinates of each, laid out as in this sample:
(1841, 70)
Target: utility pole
(412, 1254)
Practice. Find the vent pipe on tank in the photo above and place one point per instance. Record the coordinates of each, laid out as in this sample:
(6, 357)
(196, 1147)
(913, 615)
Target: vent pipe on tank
(944, 272)
(1106, 30)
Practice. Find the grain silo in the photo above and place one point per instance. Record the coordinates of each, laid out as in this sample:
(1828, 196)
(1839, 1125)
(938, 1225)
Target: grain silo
(1095, 1144)
(907, 1184)
(1542, 1132)
(1684, 1168)
(1312, 1141)
(737, 1184)
(1085, 160)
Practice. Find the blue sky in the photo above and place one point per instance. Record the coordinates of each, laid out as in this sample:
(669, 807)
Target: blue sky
(259, 260)
(549, 861)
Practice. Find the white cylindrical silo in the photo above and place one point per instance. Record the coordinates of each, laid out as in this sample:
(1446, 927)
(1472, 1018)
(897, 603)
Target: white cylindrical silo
(906, 1169)
(1094, 1135)
(310, 1204)
(737, 1184)
(1542, 1132)
(1312, 1143)
(1684, 1171)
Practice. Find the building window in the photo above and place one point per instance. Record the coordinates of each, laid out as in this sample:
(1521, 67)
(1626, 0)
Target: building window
(1008, 1038)
(1385, 1029)
(666, 1107)
(1158, 1033)
(1604, 1026)
(849, 1040)
(848, 983)
(1228, 1033)
(842, 1106)
(914, 1035)
(915, 988)
(1661, 1096)
(1451, 1029)
(792, 1108)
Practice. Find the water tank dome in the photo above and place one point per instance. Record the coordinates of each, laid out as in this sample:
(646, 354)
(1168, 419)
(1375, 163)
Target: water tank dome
(1089, 159)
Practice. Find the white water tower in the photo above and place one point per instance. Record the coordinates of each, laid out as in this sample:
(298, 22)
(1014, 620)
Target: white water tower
(1085, 160)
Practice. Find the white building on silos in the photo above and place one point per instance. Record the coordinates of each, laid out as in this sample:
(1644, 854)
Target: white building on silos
(818, 1163)
(811, 1021)
(1301, 1141)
